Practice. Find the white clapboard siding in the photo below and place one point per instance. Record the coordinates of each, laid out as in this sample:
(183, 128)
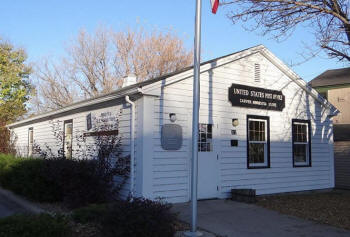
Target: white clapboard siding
(44, 135)
(166, 174)
(171, 169)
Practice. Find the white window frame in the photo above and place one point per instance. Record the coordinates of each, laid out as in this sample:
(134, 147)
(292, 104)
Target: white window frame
(265, 163)
(30, 142)
(307, 162)
(207, 142)
(67, 151)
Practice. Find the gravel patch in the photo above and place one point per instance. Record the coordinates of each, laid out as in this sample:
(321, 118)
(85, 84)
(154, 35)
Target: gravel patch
(332, 208)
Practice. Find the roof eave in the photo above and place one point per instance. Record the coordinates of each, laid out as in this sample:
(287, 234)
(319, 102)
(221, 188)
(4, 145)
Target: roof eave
(299, 81)
(90, 102)
(121, 92)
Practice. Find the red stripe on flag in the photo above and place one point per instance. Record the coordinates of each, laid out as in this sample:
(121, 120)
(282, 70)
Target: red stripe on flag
(215, 6)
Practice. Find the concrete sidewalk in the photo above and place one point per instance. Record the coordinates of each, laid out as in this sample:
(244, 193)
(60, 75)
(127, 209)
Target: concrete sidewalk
(11, 204)
(9, 208)
(233, 219)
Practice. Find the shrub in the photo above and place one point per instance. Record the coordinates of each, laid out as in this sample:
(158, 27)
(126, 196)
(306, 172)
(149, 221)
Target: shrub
(42, 225)
(139, 218)
(6, 161)
(82, 182)
(75, 182)
(26, 177)
(90, 214)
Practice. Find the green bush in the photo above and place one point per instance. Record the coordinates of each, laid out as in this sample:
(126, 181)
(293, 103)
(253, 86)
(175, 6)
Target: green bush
(27, 177)
(90, 214)
(6, 161)
(137, 218)
(42, 225)
(74, 182)
(82, 182)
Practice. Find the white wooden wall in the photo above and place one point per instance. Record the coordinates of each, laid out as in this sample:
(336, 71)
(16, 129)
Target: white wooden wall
(44, 136)
(171, 169)
(166, 174)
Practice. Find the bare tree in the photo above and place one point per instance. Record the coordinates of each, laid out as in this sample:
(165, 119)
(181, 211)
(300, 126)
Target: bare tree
(54, 86)
(149, 55)
(90, 62)
(328, 19)
(96, 64)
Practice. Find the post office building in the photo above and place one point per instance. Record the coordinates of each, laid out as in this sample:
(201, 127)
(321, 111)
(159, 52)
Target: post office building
(261, 127)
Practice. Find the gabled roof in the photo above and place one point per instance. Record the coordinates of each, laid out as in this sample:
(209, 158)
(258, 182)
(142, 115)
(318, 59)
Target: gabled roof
(136, 88)
(332, 77)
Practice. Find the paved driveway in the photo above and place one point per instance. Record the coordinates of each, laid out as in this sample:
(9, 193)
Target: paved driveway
(234, 219)
(9, 207)
(9, 204)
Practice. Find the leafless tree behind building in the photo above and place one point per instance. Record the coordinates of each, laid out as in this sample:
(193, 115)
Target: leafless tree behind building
(329, 20)
(96, 64)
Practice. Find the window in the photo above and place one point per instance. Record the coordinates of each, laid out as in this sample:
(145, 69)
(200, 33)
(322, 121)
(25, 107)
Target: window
(205, 137)
(301, 133)
(30, 141)
(258, 141)
(68, 139)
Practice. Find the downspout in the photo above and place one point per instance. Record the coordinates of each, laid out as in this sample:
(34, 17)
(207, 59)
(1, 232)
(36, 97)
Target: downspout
(132, 145)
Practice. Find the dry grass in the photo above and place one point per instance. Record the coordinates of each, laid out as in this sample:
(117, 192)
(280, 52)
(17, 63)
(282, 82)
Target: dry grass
(181, 226)
(331, 207)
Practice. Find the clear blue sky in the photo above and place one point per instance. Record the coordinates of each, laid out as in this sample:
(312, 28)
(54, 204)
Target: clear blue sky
(43, 27)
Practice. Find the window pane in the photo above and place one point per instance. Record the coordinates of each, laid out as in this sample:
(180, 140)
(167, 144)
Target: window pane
(257, 130)
(251, 135)
(208, 146)
(300, 132)
(209, 128)
(68, 137)
(262, 135)
(257, 144)
(300, 152)
(256, 152)
(252, 125)
(205, 137)
(303, 133)
(209, 136)
(30, 136)
(30, 142)
(203, 147)
(262, 126)
(202, 128)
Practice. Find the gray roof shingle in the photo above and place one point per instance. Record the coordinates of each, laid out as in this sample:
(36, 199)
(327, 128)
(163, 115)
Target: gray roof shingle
(332, 77)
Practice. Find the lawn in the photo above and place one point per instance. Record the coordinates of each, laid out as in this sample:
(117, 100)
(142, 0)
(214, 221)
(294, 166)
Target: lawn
(331, 207)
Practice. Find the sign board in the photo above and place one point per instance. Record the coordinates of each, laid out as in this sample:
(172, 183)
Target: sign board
(255, 97)
(171, 137)
(107, 118)
(101, 133)
(88, 122)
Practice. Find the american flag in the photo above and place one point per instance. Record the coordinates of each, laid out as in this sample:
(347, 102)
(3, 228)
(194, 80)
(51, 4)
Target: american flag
(214, 5)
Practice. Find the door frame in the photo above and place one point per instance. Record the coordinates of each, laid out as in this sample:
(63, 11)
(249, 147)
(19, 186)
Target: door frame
(216, 149)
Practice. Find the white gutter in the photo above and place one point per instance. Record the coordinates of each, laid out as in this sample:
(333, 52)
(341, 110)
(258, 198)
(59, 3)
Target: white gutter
(77, 105)
(132, 145)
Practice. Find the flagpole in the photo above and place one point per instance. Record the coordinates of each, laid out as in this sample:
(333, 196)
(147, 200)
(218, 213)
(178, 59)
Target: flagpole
(195, 120)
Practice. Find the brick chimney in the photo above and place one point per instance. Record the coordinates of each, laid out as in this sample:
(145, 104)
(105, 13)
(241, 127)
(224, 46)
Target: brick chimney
(129, 80)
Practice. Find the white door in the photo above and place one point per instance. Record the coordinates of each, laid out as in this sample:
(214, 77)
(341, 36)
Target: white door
(207, 162)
